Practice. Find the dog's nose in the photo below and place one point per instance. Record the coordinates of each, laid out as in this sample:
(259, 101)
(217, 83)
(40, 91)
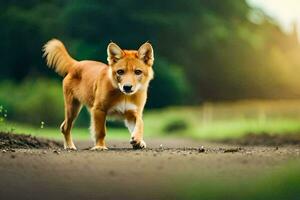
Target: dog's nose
(127, 88)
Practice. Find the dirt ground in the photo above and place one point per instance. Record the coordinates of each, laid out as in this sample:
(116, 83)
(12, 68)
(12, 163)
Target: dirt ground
(158, 172)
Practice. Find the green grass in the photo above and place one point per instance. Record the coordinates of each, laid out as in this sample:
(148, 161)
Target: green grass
(218, 121)
(210, 121)
(54, 132)
(219, 129)
(237, 128)
(277, 184)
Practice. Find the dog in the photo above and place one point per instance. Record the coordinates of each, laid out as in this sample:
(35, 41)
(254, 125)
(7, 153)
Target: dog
(117, 88)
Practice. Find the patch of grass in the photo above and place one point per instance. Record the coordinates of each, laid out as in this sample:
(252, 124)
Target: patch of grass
(237, 128)
(209, 121)
(175, 126)
(281, 183)
(232, 119)
(54, 132)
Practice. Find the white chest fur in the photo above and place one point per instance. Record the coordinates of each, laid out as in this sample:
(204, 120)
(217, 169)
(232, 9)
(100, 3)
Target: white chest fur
(122, 107)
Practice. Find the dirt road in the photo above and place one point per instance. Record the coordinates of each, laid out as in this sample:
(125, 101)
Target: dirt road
(159, 172)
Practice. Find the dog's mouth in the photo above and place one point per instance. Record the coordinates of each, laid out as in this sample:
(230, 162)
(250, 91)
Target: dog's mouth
(128, 92)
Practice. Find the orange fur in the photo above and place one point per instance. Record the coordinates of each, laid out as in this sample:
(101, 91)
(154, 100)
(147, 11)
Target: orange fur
(117, 88)
(58, 57)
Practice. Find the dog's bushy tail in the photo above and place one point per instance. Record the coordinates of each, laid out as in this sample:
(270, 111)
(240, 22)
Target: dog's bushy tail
(57, 57)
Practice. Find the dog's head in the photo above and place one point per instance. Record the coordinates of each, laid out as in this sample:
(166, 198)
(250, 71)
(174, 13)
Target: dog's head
(130, 70)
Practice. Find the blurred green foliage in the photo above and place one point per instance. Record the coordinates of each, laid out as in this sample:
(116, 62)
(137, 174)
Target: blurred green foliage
(177, 125)
(35, 101)
(204, 50)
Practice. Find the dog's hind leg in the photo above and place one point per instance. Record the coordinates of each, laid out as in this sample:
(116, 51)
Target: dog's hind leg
(72, 108)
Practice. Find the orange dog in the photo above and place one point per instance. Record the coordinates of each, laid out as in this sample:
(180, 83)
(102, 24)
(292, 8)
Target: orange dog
(117, 88)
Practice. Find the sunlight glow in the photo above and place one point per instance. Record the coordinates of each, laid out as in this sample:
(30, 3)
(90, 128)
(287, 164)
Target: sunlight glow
(286, 12)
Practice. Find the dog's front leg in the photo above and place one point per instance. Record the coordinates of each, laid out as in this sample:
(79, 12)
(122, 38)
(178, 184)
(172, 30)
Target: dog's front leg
(135, 124)
(98, 128)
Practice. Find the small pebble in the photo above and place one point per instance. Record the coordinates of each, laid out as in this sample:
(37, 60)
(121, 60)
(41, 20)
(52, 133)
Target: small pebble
(56, 152)
(201, 149)
(232, 150)
(3, 151)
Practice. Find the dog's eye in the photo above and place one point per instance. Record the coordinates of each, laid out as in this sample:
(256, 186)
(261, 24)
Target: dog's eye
(120, 72)
(138, 72)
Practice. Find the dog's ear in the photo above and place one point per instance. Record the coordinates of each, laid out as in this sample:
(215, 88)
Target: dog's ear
(114, 53)
(145, 53)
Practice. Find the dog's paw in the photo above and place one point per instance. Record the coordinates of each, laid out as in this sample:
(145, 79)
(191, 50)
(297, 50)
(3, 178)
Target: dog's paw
(70, 147)
(99, 148)
(138, 144)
